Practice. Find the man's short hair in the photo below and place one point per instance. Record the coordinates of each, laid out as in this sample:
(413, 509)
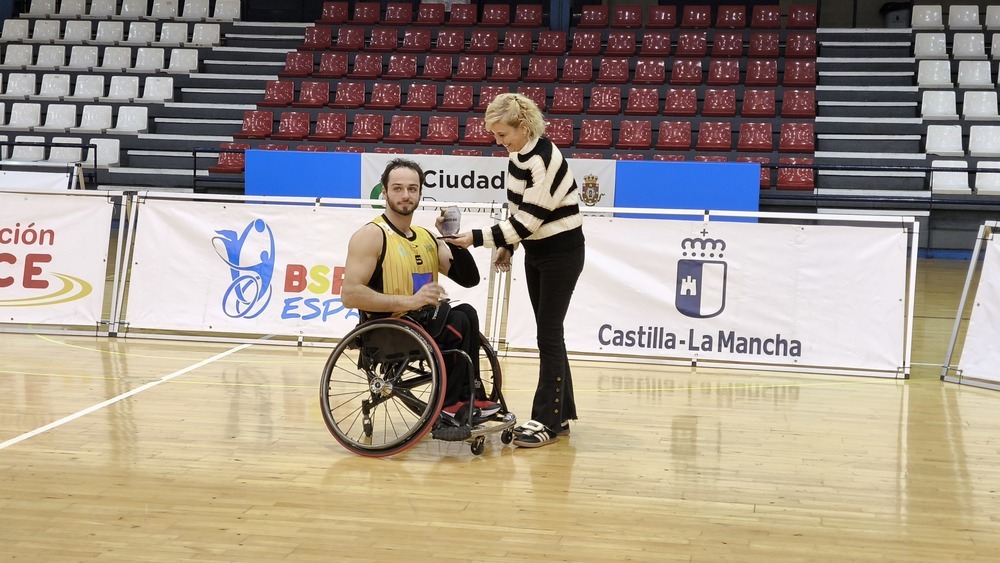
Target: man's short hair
(402, 163)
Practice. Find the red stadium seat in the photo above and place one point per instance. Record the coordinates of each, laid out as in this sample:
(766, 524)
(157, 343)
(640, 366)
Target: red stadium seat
(388, 150)
(500, 153)
(800, 46)
(257, 124)
(686, 71)
(755, 137)
(429, 14)
(516, 42)
(437, 67)
(272, 147)
(349, 148)
(764, 45)
(349, 95)
(727, 44)
(800, 73)
(797, 137)
(385, 95)
(506, 68)
(613, 70)
(483, 41)
(333, 13)
(297, 63)
(587, 155)
(421, 96)
(796, 178)
(463, 15)
(621, 43)
(292, 126)
(366, 65)
(692, 44)
(426, 150)
(642, 101)
(801, 17)
(594, 16)
(655, 43)
(383, 40)
(534, 93)
(471, 68)
(577, 70)
(715, 136)
(711, 158)
(766, 17)
(527, 15)
(278, 94)
(719, 102)
(366, 13)
(585, 43)
(635, 134)
(627, 17)
(313, 95)
(441, 130)
(487, 93)
(681, 102)
(669, 157)
(398, 13)
(349, 38)
(475, 133)
(367, 127)
(457, 97)
(605, 100)
(495, 15)
(723, 72)
(674, 135)
(551, 43)
(798, 103)
(232, 160)
(697, 17)
(595, 134)
(317, 39)
(416, 40)
(401, 66)
(567, 99)
(330, 127)
(628, 156)
(449, 41)
(560, 131)
(765, 172)
(662, 17)
(467, 152)
(332, 65)
(731, 17)
(758, 103)
(761, 72)
(404, 129)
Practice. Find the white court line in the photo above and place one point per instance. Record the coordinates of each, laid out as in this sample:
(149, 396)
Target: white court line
(125, 395)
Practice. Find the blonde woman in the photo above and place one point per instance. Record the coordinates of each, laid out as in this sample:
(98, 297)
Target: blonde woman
(545, 219)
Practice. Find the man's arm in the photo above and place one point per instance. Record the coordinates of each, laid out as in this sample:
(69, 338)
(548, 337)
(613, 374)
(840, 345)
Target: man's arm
(362, 258)
(458, 264)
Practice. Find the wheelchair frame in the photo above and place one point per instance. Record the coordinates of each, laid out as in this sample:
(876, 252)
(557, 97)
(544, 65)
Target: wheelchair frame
(383, 386)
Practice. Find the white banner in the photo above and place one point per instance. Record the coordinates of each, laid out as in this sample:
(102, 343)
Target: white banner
(255, 268)
(823, 296)
(981, 352)
(482, 179)
(53, 258)
(36, 181)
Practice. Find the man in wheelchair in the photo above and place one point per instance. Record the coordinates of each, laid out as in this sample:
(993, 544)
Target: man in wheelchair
(392, 270)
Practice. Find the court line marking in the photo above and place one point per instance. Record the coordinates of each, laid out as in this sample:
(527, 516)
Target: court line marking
(123, 396)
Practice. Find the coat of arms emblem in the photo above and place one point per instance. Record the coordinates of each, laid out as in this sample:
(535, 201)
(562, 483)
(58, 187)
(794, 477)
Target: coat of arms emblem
(591, 192)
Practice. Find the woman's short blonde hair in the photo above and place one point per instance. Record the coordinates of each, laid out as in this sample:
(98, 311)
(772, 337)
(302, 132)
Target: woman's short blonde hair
(516, 110)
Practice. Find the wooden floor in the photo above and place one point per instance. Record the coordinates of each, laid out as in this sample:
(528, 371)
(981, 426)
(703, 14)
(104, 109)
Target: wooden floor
(223, 456)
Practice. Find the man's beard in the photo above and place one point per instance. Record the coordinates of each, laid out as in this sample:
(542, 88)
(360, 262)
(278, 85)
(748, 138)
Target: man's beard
(399, 211)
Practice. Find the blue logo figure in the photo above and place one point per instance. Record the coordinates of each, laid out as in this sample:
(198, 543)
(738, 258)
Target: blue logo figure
(250, 257)
(701, 278)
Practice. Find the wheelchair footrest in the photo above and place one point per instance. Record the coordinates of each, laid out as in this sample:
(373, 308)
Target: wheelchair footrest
(451, 433)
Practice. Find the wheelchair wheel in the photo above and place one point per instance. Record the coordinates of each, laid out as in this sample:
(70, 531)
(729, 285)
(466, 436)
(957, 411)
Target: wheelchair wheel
(383, 387)
(489, 371)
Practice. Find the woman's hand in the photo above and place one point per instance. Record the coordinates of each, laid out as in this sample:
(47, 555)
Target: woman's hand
(501, 260)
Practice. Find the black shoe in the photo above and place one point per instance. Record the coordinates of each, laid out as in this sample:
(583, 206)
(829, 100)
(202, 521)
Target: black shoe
(535, 435)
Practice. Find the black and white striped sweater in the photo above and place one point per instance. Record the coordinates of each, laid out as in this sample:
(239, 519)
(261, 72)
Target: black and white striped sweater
(544, 203)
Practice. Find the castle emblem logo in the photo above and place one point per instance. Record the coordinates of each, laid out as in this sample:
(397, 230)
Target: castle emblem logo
(701, 278)
(591, 191)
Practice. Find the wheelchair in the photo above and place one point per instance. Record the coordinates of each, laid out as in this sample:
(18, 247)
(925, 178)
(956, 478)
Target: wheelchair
(383, 388)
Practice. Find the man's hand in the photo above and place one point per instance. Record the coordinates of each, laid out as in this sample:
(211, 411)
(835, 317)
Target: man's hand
(501, 260)
(429, 294)
(463, 240)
